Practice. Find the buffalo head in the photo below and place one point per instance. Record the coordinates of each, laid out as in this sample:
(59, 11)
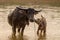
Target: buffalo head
(31, 12)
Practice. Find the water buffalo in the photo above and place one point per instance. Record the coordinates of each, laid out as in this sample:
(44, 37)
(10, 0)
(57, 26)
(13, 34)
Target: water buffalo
(20, 17)
(41, 25)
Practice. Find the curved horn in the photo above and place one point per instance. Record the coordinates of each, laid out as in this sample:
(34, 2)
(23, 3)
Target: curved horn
(38, 11)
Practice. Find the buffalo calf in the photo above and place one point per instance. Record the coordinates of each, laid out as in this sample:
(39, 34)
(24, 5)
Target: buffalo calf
(41, 25)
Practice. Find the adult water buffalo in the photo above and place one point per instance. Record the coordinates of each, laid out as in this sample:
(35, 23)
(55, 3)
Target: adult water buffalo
(20, 17)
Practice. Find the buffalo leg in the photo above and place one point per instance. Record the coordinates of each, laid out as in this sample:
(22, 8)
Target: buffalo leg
(19, 29)
(14, 30)
(41, 32)
(22, 31)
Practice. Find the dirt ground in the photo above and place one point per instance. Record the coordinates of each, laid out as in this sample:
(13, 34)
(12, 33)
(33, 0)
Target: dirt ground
(52, 15)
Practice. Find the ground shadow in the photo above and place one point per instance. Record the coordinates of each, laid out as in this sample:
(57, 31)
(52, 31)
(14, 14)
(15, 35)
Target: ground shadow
(42, 37)
(18, 37)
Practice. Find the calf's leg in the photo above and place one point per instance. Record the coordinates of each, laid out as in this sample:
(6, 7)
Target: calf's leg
(44, 31)
(38, 30)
